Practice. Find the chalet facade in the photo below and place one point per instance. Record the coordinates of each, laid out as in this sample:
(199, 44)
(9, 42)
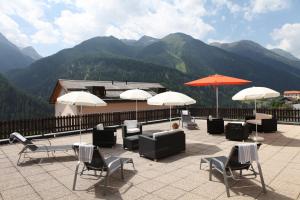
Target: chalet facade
(109, 91)
(295, 94)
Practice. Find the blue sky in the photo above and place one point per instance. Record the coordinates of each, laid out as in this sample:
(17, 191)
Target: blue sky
(51, 25)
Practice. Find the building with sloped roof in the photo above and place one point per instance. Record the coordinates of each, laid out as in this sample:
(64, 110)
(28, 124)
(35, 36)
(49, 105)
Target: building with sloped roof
(295, 94)
(109, 91)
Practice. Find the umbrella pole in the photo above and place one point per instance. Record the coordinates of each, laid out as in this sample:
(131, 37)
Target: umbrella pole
(170, 118)
(217, 101)
(136, 107)
(255, 118)
(80, 122)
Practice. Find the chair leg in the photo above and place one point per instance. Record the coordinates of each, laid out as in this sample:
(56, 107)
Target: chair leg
(133, 165)
(18, 163)
(201, 162)
(210, 170)
(226, 183)
(82, 170)
(122, 172)
(261, 178)
(75, 175)
(106, 180)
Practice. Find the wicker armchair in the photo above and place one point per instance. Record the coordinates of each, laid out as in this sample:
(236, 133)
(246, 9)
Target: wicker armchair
(237, 131)
(105, 137)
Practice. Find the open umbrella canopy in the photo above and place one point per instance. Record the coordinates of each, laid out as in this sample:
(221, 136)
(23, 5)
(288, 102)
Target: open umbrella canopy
(81, 98)
(255, 93)
(135, 94)
(217, 80)
(171, 99)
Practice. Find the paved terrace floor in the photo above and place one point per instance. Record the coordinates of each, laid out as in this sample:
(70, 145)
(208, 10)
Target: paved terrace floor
(175, 177)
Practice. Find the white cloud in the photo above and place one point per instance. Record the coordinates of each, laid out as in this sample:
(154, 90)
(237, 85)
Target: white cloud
(263, 6)
(32, 12)
(12, 32)
(132, 19)
(232, 7)
(287, 38)
(209, 41)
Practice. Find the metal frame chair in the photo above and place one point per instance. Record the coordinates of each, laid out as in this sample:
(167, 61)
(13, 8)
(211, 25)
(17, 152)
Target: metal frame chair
(108, 165)
(30, 147)
(187, 120)
(226, 166)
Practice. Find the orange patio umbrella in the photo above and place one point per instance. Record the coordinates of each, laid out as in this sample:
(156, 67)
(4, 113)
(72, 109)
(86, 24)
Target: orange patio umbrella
(217, 80)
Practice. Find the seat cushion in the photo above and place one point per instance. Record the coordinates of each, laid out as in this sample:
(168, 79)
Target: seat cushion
(132, 138)
(254, 121)
(185, 112)
(131, 123)
(158, 134)
(100, 127)
(133, 130)
(260, 116)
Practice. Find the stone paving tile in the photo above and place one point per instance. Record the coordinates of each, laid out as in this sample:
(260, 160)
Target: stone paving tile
(30, 196)
(132, 193)
(54, 192)
(190, 196)
(150, 174)
(13, 183)
(38, 178)
(46, 185)
(150, 197)
(174, 177)
(19, 192)
(167, 178)
(150, 186)
(169, 192)
(189, 183)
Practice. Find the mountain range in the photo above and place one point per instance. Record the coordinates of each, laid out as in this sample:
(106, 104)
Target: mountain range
(12, 57)
(172, 61)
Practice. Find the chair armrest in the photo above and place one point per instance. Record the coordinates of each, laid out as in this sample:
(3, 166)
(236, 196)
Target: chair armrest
(215, 162)
(124, 131)
(114, 165)
(147, 146)
(140, 126)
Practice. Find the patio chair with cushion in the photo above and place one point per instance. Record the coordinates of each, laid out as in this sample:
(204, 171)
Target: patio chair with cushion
(30, 147)
(104, 136)
(131, 130)
(240, 158)
(187, 120)
(94, 160)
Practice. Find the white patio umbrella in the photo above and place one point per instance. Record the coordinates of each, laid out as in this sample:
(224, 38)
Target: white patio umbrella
(80, 98)
(255, 93)
(135, 94)
(171, 99)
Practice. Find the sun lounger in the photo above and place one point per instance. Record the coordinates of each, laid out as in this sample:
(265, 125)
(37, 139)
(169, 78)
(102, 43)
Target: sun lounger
(108, 165)
(30, 147)
(227, 165)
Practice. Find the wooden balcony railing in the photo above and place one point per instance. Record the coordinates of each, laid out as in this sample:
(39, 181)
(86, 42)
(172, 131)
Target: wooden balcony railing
(42, 126)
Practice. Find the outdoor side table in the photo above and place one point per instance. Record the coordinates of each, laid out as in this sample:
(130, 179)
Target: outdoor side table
(215, 126)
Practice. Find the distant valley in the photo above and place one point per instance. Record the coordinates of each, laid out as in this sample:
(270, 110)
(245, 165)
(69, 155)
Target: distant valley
(172, 61)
